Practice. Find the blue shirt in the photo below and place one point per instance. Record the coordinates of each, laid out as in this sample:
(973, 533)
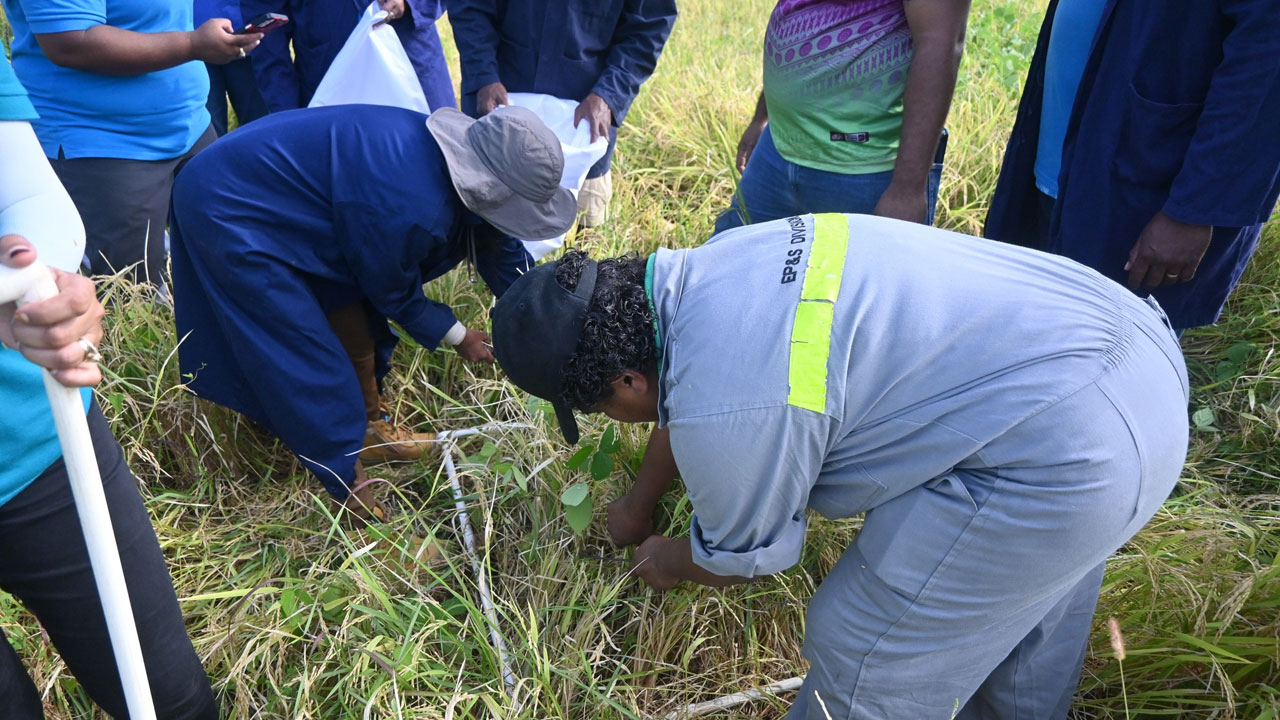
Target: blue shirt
(1074, 25)
(14, 103)
(154, 116)
(28, 439)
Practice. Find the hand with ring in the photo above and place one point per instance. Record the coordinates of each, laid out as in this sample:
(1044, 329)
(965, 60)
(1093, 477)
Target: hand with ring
(62, 333)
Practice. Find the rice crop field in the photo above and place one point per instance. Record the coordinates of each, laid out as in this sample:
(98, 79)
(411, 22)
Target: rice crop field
(297, 617)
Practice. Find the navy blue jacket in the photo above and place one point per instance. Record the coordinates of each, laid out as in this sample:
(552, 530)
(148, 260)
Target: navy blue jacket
(565, 48)
(299, 214)
(1178, 111)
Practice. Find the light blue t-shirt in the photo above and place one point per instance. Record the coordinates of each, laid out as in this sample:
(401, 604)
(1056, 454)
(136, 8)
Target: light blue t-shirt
(14, 103)
(28, 439)
(154, 116)
(1074, 24)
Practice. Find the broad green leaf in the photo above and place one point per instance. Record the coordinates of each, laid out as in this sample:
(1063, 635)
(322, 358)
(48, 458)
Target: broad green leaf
(1203, 418)
(117, 402)
(288, 601)
(574, 494)
(609, 441)
(521, 480)
(488, 450)
(580, 458)
(1227, 370)
(579, 516)
(538, 405)
(601, 465)
(1239, 352)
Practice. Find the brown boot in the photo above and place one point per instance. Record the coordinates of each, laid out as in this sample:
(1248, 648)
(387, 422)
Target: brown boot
(384, 441)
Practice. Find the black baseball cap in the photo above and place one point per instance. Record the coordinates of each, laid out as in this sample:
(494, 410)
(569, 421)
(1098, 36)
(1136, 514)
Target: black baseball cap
(536, 327)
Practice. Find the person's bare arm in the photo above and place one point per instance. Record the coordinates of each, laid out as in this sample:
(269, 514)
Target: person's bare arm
(751, 135)
(109, 50)
(630, 518)
(937, 34)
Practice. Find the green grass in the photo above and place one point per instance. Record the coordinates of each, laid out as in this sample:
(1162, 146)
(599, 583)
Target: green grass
(296, 618)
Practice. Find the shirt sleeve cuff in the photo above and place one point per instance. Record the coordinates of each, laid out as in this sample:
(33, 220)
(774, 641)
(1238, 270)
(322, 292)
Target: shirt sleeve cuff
(479, 71)
(456, 334)
(764, 560)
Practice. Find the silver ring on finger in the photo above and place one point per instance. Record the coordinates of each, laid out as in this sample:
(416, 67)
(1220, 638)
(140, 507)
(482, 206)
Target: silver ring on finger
(91, 353)
(242, 53)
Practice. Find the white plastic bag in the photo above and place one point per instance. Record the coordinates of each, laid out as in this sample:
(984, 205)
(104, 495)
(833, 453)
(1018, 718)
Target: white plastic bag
(579, 152)
(372, 68)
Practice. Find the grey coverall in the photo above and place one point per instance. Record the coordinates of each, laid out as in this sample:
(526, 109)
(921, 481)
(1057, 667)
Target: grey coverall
(1005, 418)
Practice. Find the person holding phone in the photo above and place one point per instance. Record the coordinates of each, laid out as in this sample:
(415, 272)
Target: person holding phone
(236, 85)
(296, 239)
(121, 96)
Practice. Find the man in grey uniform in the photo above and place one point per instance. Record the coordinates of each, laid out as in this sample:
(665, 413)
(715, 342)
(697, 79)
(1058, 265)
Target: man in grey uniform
(1005, 418)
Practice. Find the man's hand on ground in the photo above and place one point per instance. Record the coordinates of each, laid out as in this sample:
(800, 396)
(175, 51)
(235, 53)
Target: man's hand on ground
(597, 114)
(1168, 252)
(489, 97)
(652, 560)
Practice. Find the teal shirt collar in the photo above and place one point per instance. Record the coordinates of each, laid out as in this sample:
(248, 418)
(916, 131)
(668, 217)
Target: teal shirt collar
(653, 311)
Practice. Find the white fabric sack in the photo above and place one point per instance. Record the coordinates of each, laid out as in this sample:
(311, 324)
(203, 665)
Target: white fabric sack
(372, 68)
(579, 152)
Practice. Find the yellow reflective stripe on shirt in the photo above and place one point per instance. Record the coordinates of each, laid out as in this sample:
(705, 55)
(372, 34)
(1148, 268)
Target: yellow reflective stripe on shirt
(811, 331)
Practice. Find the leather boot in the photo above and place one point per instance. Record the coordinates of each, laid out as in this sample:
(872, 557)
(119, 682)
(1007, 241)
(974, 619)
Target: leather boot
(385, 441)
(382, 439)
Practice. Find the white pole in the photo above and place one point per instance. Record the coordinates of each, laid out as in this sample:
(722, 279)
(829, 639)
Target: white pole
(486, 599)
(31, 284)
(728, 701)
(444, 435)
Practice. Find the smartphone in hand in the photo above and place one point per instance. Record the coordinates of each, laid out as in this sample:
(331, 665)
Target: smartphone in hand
(264, 23)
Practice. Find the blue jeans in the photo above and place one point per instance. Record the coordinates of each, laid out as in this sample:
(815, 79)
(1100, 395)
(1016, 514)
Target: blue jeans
(773, 187)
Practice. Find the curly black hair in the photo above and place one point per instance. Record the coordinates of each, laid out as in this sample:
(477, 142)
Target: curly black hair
(617, 334)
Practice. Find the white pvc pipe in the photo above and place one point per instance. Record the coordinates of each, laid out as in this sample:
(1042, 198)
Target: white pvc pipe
(486, 599)
(31, 284)
(444, 435)
(728, 701)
